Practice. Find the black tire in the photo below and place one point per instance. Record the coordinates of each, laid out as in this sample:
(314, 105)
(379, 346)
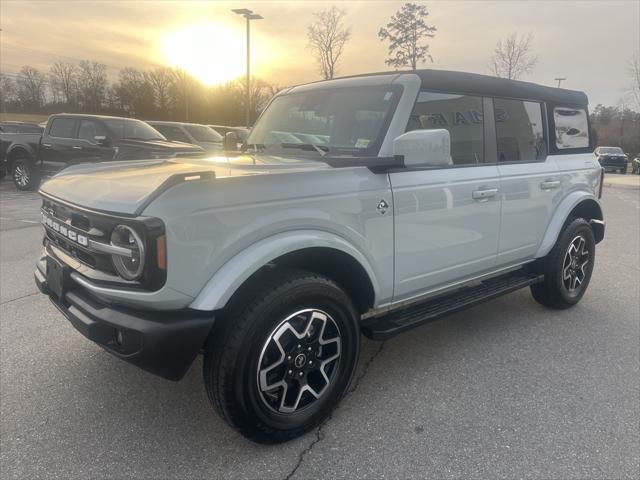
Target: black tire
(247, 334)
(555, 291)
(24, 174)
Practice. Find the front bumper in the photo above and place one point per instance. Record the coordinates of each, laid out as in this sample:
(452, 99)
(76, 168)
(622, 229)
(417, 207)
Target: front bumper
(163, 343)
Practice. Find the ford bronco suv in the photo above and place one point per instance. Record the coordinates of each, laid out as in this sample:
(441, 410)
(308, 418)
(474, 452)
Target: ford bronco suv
(362, 205)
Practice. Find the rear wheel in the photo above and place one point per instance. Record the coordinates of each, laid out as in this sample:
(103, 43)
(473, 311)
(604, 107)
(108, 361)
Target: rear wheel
(24, 174)
(282, 356)
(567, 268)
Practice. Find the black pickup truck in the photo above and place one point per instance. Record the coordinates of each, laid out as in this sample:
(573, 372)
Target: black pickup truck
(69, 139)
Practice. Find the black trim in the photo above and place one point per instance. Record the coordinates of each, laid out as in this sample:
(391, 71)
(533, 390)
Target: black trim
(164, 343)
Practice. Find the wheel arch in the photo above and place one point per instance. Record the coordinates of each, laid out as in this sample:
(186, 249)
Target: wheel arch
(19, 151)
(575, 205)
(316, 251)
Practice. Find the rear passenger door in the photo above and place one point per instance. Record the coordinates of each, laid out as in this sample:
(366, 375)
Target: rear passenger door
(56, 147)
(530, 187)
(447, 219)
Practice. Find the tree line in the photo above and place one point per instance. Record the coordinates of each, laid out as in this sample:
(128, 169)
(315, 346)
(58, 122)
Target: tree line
(160, 93)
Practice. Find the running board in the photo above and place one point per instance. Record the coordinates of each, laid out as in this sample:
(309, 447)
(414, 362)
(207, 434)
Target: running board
(398, 321)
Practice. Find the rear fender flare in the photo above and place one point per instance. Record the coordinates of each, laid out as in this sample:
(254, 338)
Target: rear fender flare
(219, 289)
(560, 216)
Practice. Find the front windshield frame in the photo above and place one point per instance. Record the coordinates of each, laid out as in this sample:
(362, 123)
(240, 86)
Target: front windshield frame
(371, 149)
(111, 125)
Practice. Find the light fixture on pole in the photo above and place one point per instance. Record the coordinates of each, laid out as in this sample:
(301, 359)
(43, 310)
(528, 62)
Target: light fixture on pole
(559, 80)
(248, 15)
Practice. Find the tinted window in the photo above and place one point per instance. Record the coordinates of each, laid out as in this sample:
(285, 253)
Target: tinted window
(203, 134)
(89, 129)
(461, 115)
(572, 128)
(173, 133)
(127, 128)
(63, 127)
(519, 130)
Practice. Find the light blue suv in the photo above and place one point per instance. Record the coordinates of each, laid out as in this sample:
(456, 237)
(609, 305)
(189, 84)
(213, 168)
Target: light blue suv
(426, 192)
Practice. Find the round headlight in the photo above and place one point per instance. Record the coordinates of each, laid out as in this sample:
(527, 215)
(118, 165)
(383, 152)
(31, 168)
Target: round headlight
(128, 267)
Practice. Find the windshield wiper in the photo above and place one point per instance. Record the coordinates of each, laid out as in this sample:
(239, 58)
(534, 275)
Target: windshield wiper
(322, 150)
(256, 147)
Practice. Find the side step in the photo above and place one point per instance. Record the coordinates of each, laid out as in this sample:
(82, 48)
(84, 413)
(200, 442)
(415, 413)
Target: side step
(398, 321)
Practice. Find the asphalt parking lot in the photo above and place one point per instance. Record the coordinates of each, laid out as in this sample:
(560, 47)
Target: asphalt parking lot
(507, 389)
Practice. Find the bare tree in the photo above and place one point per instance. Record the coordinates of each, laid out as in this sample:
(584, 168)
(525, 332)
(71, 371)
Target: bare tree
(63, 77)
(92, 84)
(8, 92)
(161, 80)
(327, 36)
(407, 33)
(634, 73)
(134, 92)
(31, 86)
(513, 57)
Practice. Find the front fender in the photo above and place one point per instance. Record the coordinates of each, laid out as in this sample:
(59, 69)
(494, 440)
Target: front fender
(560, 216)
(219, 289)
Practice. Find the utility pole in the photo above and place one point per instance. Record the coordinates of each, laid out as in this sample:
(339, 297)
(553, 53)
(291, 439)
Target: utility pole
(559, 80)
(248, 15)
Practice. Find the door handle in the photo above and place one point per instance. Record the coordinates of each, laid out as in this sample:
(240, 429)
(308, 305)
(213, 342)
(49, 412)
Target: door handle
(483, 194)
(77, 147)
(549, 184)
(46, 145)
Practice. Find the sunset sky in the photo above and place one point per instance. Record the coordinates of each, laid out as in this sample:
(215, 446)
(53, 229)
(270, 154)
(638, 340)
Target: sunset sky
(589, 42)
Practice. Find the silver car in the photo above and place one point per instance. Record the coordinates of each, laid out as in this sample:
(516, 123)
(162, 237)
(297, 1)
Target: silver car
(425, 193)
(193, 133)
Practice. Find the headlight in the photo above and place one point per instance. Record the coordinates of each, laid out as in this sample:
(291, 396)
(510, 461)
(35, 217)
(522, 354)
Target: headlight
(128, 267)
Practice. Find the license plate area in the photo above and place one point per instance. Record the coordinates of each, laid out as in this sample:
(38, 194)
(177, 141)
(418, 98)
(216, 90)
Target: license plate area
(55, 277)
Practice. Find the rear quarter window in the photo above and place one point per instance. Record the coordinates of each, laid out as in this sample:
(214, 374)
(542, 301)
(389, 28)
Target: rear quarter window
(571, 128)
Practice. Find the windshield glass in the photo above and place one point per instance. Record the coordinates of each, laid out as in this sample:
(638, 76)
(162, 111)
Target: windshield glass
(344, 120)
(610, 150)
(124, 128)
(200, 133)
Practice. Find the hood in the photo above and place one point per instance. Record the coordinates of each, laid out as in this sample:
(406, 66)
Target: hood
(128, 187)
(158, 145)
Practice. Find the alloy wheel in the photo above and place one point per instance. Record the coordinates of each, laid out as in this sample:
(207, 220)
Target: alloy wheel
(573, 267)
(299, 361)
(21, 174)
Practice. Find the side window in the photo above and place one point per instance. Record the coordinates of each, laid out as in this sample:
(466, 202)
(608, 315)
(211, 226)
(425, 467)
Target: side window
(572, 128)
(519, 130)
(63, 127)
(462, 115)
(173, 133)
(89, 129)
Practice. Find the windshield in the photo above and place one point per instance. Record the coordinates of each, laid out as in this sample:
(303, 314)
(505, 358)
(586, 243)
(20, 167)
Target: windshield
(124, 128)
(344, 120)
(200, 133)
(610, 150)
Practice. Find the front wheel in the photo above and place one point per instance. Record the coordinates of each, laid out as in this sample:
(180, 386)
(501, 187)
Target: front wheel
(282, 356)
(567, 268)
(24, 175)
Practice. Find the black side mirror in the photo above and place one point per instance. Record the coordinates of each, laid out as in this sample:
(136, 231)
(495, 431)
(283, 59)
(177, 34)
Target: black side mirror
(230, 142)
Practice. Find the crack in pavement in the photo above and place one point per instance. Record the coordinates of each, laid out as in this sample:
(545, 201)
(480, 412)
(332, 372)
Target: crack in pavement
(19, 298)
(319, 433)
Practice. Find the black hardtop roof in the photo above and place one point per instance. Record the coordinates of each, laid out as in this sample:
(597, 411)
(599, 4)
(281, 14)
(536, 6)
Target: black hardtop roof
(476, 84)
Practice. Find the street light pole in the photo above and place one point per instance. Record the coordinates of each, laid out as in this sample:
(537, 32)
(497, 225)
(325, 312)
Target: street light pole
(248, 15)
(559, 80)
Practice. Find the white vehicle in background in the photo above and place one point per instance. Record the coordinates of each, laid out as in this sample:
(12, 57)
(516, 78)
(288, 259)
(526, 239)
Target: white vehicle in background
(427, 193)
(193, 133)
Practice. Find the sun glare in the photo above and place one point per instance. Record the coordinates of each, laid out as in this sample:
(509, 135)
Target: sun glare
(213, 53)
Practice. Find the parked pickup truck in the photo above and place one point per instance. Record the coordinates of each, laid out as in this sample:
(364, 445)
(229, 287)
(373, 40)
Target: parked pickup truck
(431, 192)
(71, 139)
(612, 158)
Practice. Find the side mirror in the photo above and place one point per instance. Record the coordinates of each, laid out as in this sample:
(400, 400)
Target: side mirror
(230, 141)
(424, 148)
(102, 140)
